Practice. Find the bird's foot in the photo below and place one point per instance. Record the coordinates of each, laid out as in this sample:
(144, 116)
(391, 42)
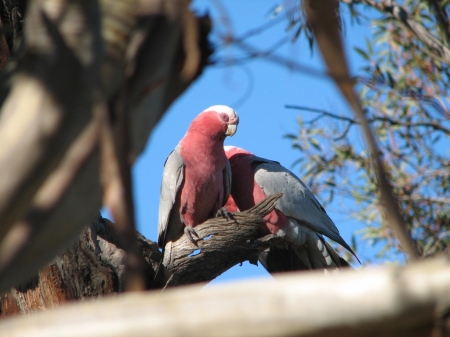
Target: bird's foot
(190, 232)
(223, 213)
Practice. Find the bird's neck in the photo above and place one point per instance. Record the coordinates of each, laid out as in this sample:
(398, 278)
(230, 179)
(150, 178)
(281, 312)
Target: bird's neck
(243, 181)
(201, 148)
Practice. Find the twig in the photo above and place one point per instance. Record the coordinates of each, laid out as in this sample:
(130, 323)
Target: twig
(323, 112)
(435, 125)
(255, 31)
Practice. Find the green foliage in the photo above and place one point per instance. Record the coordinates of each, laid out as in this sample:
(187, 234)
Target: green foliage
(404, 87)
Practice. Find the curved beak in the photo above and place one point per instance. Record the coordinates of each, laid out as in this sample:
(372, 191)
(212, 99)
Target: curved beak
(231, 130)
(232, 123)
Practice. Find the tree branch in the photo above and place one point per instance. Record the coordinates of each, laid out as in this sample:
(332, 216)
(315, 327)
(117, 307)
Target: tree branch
(102, 254)
(228, 239)
(435, 125)
(386, 301)
(39, 121)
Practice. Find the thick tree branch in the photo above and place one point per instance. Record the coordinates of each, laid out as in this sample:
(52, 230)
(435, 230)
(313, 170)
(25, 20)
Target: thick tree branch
(27, 245)
(39, 120)
(385, 301)
(96, 265)
(228, 239)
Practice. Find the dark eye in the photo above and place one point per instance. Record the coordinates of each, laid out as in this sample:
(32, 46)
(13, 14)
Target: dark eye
(224, 117)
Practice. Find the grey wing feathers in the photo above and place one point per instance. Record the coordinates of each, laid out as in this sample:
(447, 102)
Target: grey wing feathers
(226, 182)
(297, 201)
(171, 182)
(304, 257)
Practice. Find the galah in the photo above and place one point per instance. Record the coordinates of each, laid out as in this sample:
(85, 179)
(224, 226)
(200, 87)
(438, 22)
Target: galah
(298, 217)
(196, 179)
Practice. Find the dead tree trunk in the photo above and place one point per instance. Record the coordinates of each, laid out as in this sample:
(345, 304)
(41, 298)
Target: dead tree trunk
(94, 266)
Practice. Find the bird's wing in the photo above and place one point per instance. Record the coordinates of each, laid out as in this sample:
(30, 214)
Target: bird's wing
(280, 260)
(297, 201)
(226, 182)
(316, 254)
(171, 182)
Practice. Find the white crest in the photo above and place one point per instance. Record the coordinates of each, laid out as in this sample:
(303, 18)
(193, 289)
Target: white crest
(224, 109)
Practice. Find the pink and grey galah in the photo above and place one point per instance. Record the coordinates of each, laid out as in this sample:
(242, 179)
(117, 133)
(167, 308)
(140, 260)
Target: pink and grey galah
(196, 179)
(298, 217)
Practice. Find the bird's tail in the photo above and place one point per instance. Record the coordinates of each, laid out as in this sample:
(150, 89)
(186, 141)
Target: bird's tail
(316, 253)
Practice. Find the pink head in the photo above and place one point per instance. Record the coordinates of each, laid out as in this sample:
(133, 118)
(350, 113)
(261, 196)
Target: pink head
(218, 121)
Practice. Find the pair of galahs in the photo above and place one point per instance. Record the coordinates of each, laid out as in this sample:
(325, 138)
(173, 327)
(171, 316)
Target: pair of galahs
(201, 176)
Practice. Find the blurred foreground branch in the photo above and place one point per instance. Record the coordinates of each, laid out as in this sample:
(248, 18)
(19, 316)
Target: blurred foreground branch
(386, 301)
(82, 67)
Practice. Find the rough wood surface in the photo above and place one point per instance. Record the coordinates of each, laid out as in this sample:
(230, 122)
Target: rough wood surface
(94, 266)
(227, 240)
(385, 302)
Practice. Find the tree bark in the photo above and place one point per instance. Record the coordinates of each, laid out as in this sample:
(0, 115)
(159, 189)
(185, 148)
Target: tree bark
(387, 301)
(95, 265)
(227, 240)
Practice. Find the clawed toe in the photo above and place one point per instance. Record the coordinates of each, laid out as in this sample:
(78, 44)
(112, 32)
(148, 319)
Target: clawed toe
(190, 233)
(224, 213)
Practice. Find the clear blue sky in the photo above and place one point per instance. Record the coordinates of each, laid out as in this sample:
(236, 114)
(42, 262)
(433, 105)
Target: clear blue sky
(258, 91)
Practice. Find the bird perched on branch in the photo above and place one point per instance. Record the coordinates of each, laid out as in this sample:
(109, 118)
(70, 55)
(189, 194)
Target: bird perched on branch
(196, 180)
(298, 217)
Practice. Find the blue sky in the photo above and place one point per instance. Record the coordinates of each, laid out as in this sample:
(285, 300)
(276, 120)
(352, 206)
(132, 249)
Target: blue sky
(258, 90)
